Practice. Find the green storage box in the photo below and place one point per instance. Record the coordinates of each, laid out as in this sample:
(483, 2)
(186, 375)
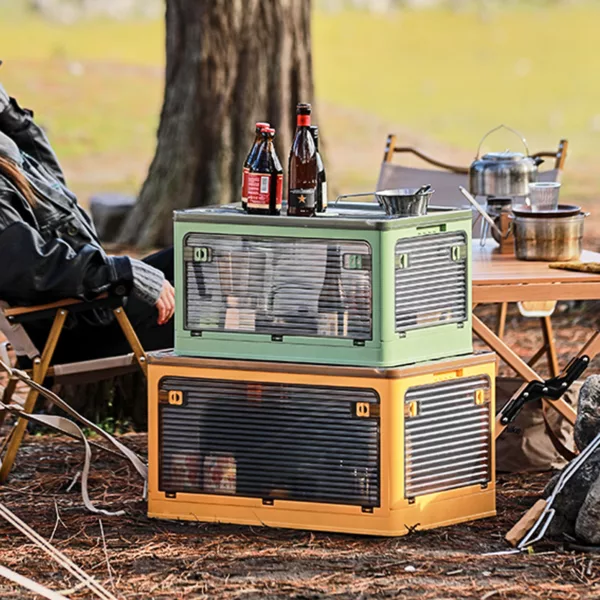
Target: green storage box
(350, 287)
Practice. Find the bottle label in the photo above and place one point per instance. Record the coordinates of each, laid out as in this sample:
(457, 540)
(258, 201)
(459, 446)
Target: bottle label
(259, 190)
(324, 194)
(245, 172)
(279, 191)
(258, 186)
(303, 121)
(303, 200)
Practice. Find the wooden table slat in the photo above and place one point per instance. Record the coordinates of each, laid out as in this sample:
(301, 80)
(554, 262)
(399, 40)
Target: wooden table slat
(502, 278)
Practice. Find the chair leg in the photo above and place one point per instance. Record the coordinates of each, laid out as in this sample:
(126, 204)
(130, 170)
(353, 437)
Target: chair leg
(40, 368)
(132, 338)
(9, 390)
(551, 353)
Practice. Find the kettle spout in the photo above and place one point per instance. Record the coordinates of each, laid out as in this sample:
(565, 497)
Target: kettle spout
(538, 161)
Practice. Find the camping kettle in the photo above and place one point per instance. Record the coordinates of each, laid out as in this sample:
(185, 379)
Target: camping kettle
(503, 174)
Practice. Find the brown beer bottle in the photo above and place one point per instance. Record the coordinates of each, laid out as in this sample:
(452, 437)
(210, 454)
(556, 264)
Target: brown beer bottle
(265, 178)
(333, 310)
(303, 167)
(251, 155)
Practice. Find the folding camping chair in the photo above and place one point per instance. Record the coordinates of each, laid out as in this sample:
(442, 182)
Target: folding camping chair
(11, 325)
(445, 179)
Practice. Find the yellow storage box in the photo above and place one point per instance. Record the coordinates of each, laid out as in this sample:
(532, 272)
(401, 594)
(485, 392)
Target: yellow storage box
(357, 450)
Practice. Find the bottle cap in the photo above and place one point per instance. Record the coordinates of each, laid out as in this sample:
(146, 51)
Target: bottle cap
(269, 130)
(262, 125)
(303, 109)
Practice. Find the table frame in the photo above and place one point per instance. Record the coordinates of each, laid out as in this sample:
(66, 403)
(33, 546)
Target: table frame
(542, 285)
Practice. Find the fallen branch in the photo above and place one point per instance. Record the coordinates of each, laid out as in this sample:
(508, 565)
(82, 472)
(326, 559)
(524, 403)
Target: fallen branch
(56, 554)
(32, 586)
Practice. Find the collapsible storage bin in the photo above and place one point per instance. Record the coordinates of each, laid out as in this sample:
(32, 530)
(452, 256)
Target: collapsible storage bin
(358, 450)
(350, 287)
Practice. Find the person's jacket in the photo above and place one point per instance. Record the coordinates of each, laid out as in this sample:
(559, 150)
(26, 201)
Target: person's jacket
(49, 251)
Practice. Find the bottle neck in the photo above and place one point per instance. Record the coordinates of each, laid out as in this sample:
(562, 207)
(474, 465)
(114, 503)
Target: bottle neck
(303, 120)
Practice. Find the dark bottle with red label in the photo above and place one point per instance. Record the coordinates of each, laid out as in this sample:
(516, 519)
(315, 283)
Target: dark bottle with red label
(251, 156)
(303, 167)
(321, 175)
(265, 178)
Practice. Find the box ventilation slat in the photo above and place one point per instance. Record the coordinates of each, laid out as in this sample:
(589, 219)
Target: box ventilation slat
(270, 441)
(447, 442)
(278, 286)
(431, 281)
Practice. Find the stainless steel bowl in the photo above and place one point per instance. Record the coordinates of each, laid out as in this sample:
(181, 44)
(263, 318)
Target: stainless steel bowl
(548, 238)
(404, 202)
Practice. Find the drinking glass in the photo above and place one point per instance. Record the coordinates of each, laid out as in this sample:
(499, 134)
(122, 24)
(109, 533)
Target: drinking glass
(543, 195)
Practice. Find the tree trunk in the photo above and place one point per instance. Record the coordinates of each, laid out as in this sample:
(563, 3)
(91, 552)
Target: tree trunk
(229, 64)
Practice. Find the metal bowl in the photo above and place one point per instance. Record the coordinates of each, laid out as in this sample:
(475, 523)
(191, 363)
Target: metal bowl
(404, 202)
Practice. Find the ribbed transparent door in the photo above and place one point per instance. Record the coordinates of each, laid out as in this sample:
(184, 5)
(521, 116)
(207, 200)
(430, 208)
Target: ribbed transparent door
(278, 286)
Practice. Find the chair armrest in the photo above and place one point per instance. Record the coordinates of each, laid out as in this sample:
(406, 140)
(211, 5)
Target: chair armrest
(432, 161)
(33, 313)
(22, 310)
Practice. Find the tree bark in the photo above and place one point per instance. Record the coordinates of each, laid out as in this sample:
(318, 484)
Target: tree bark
(229, 64)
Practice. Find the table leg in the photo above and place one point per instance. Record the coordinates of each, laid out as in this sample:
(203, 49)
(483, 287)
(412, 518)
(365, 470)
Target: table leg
(550, 347)
(502, 312)
(513, 360)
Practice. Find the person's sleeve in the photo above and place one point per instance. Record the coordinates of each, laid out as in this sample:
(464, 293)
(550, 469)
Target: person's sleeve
(18, 124)
(147, 281)
(35, 271)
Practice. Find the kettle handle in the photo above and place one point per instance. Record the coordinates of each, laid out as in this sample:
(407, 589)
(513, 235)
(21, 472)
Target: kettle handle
(496, 129)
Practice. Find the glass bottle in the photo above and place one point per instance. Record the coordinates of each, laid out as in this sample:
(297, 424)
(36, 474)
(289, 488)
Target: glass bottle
(265, 178)
(303, 168)
(253, 150)
(321, 175)
(332, 307)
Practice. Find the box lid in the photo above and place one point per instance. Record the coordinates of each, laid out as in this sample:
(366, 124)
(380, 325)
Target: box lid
(169, 358)
(344, 215)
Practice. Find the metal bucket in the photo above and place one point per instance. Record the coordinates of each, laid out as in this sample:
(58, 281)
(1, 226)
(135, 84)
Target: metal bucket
(404, 202)
(401, 202)
(548, 238)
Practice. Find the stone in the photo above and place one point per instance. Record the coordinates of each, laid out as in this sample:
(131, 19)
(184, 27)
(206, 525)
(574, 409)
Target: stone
(569, 502)
(587, 424)
(587, 526)
(108, 212)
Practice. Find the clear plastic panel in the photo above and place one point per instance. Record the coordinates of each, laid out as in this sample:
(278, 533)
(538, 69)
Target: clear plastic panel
(278, 286)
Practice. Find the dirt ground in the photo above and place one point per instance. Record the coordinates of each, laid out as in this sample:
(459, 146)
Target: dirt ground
(142, 558)
(159, 559)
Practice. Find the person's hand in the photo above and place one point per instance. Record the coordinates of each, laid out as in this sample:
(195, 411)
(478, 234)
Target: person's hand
(4, 99)
(166, 303)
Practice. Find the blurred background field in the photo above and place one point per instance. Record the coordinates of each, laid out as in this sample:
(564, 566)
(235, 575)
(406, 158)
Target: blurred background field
(439, 76)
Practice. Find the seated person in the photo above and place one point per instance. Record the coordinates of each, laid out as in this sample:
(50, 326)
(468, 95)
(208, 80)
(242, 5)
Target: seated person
(49, 251)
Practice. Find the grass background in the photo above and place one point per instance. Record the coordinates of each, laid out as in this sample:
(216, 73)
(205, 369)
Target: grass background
(439, 79)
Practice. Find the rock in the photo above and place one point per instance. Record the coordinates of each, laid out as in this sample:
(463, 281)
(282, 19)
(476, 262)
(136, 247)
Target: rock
(109, 211)
(587, 526)
(569, 502)
(587, 424)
